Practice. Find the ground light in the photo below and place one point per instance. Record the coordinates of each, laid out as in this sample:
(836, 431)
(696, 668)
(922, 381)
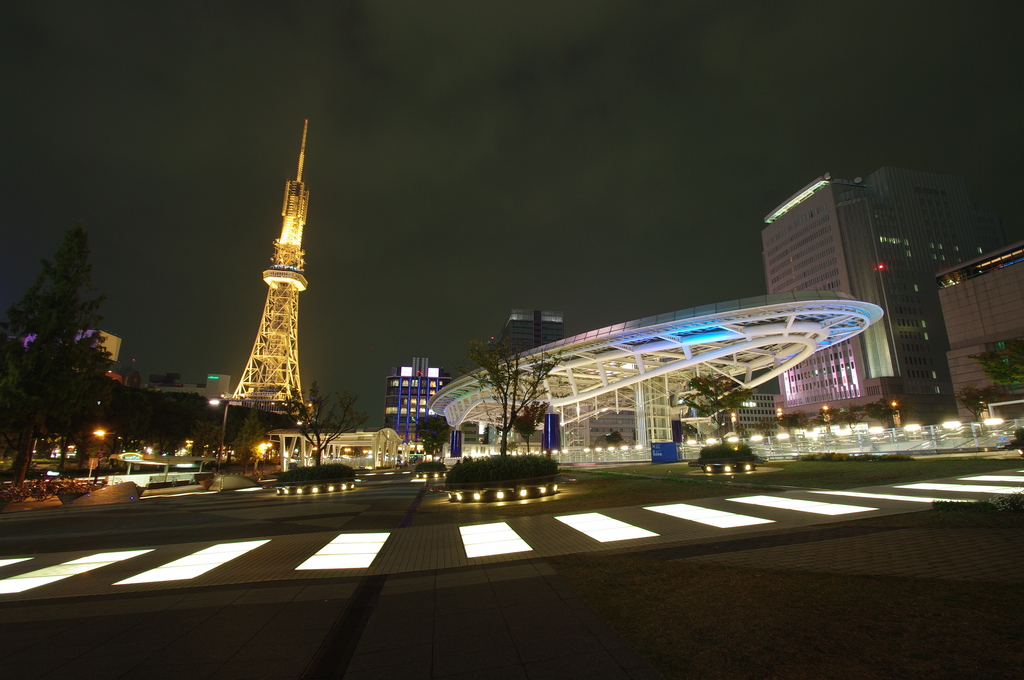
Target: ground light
(483, 540)
(41, 577)
(603, 528)
(801, 506)
(347, 551)
(714, 518)
(196, 564)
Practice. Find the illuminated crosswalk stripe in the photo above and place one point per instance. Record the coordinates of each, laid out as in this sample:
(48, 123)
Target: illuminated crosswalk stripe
(815, 507)
(13, 560)
(603, 528)
(965, 488)
(715, 518)
(995, 478)
(885, 496)
(347, 551)
(41, 577)
(498, 538)
(196, 564)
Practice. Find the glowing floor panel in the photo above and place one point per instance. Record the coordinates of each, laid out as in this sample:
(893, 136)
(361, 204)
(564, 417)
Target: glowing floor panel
(965, 488)
(995, 478)
(41, 577)
(884, 496)
(347, 551)
(483, 540)
(715, 518)
(801, 506)
(13, 560)
(604, 529)
(196, 564)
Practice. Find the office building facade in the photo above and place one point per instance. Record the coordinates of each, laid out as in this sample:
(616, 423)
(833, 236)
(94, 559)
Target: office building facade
(881, 239)
(406, 393)
(529, 328)
(981, 303)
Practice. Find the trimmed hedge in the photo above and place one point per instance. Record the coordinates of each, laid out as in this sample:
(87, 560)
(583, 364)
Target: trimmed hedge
(317, 472)
(725, 451)
(843, 457)
(501, 468)
(1004, 502)
(963, 506)
(431, 466)
(1009, 502)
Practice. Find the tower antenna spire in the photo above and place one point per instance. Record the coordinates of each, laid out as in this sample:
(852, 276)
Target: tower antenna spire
(302, 150)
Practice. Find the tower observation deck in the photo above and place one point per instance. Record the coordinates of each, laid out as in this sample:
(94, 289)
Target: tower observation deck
(272, 373)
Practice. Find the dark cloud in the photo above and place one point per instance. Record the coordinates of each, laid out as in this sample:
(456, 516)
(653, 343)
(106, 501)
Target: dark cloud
(610, 159)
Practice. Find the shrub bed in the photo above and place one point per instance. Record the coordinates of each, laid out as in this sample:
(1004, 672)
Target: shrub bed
(501, 468)
(843, 457)
(963, 506)
(431, 466)
(1009, 502)
(725, 451)
(317, 472)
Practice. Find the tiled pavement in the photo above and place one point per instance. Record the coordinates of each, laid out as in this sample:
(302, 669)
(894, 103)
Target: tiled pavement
(423, 608)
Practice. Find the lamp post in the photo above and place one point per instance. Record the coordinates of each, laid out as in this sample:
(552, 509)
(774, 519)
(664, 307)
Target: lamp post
(223, 428)
(897, 421)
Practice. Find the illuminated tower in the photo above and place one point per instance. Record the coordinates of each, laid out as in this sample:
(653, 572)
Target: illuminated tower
(272, 373)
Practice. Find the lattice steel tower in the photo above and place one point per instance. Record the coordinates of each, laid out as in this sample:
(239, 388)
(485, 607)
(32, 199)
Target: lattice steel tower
(272, 373)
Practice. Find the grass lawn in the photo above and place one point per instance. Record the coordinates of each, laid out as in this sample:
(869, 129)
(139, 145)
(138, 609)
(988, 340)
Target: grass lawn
(713, 621)
(847, 475)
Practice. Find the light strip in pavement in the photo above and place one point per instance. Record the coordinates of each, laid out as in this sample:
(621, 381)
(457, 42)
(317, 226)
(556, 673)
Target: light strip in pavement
(887, 496)
(604, 529)
(801, 506)
(40, 577)
(996, 478)
(964, 488)
(347, 551)
(196, 564)
(715, 518)
(13, 560)
(482, 540)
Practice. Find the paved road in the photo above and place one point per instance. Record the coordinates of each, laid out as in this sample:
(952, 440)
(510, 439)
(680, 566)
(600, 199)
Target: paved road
(254, 585)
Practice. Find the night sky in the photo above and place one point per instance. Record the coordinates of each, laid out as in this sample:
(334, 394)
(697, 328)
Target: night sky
(609, 159)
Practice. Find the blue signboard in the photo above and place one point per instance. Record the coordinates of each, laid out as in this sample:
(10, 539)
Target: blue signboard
(664, 452)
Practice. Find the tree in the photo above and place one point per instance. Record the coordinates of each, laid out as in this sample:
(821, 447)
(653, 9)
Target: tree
(976, 399)
(713, 395)
(513, 379)
(432, 432)
(848, 415)
(205, 437)
(1005, 365)
(50, 352)
(795, 420)
(525, 424)
(613, 438)
(886, 410)
(250, 437)
(767, 427)
(323, 418)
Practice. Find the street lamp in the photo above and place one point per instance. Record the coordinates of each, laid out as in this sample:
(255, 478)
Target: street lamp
(223, 427)
(896, 419)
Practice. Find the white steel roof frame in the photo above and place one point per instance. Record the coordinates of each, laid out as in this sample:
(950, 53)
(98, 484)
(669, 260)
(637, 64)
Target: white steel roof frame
(750, 341)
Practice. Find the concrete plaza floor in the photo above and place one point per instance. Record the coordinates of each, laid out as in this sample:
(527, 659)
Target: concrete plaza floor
(423, 608)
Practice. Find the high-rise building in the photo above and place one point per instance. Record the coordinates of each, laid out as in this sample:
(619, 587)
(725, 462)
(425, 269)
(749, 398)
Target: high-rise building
(406, 393)
(881, 239)
(981, 303)
(272, 372)
(529, 328)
